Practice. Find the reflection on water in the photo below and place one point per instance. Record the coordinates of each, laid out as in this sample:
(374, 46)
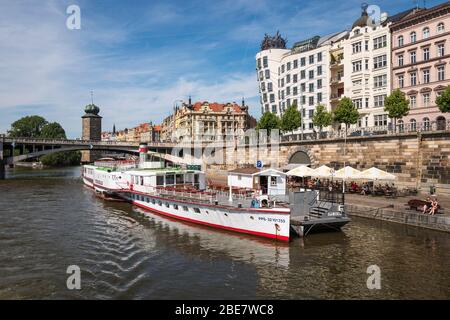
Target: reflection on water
(49, 220)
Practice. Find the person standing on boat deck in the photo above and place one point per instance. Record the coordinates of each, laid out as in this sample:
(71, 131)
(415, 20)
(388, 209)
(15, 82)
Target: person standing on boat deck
(427, 205)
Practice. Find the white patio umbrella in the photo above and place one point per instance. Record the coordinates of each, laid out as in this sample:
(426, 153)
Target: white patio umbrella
(376, 174)
(323, 172)
(347, 173)
(301, 171)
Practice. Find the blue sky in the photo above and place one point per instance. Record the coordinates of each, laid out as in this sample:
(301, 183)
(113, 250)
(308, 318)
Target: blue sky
(141, 56)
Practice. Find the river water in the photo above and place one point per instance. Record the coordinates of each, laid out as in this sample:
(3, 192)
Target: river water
(49, 221)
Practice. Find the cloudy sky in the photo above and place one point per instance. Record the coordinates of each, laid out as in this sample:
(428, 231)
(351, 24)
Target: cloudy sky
(141, 56)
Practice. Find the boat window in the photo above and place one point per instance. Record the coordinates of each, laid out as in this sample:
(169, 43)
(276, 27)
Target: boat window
(167, 205)
(136, 179)
(159, 180)
(185, 208)
(180, 179)
(160, 203)
(175, 206)
(142, 180)
(196, 210)
(196, 178)
(170, 179)
(147, 199)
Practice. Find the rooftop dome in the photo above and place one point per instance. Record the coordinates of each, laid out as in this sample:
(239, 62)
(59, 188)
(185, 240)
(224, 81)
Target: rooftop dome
(92, 109)
(364, 20)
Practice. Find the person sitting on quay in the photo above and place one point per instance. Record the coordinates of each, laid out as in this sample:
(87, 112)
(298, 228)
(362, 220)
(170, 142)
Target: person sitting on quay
(427, 206)
(434, 207)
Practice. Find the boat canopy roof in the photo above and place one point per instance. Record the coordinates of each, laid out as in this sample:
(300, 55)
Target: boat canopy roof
(161, 171)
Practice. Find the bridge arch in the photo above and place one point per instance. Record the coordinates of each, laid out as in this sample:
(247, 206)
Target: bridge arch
(12, 160)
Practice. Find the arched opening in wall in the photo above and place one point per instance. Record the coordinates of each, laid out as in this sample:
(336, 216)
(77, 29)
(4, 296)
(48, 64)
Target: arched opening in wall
(300, 158)
(440, 123)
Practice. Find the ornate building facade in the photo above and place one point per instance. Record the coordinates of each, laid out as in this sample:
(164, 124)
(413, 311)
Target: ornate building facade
(421, 63)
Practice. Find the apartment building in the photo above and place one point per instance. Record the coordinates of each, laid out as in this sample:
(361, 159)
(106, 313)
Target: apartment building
(300, 75)
(420, 66)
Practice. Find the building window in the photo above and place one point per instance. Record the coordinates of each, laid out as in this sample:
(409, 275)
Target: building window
(401, 125)
(356, 47)
(311, 74)
(441, 73)
(401, 81)
(295, 64)
(357, 65)
(272, 98)
(288, 91)
(426, 99)
(379, 42)
(357, 103)
(412, 57)
(412, 36)
(265, 62)
(319, 83)
(302, 87)
(366, 45)
(269, 87)
(413, 101)
(302, 62)
(413, 78)
(288, 78)
(319, 70)
(378, 101)
(367, 103)
(380, 81)
(302, 74)
(426, 33)
(319, 56)
(274, 109)
(311, 101)
(295, 78)
(413, 124)
(440, 27)
(294, 91)
(319, 97)
(263, 86)
(400, 60)
(426, 124)
(379, 62)
(426, 54)
(288, 66)
(426, 76)
(380, 120)
(366, 62)
(441, 50)
(311, 87)
(311, 59)
(400, 41)
(267, 74)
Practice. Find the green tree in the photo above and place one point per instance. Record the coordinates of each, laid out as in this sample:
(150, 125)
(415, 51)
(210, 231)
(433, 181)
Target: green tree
(291, 119)
(322, 118)
(27, 127)
(53, 130)
(396, 105)
(61, 159)
(346, 113)
(269, 121)
(443, 101)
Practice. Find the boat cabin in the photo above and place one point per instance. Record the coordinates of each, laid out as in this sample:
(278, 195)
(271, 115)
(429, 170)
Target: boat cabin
(148, 180)
(269, 181)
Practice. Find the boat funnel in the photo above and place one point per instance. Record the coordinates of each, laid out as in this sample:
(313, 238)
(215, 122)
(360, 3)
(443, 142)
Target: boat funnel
(143, 150)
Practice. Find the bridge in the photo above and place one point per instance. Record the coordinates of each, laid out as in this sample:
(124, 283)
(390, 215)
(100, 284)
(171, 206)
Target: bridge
(13, 150)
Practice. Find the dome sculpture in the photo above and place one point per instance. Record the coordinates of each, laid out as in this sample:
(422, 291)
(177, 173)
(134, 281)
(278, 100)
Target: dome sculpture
(364, 20)
(92, 109)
